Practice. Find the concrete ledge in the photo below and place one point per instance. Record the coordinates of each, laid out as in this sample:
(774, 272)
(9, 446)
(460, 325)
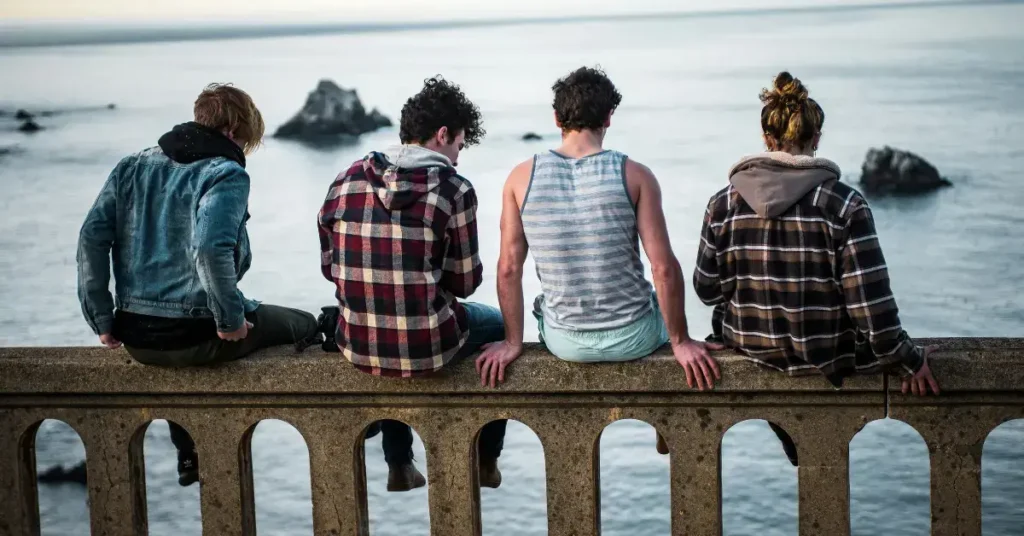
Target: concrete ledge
(973, 365)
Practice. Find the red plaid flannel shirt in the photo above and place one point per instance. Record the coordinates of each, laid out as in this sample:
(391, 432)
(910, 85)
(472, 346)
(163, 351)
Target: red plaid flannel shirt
(401, 246)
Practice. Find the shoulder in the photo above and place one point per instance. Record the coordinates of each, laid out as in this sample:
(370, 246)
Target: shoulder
(521, 174)
(636, 170)
(456, 187)
(839, 200)
(720, 203)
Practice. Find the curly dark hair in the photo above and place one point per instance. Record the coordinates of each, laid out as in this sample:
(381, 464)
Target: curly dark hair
(584, 99)
(440, 104)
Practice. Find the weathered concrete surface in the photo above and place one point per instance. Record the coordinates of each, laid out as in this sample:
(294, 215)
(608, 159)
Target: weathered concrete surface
(280, 370)
(110, 400)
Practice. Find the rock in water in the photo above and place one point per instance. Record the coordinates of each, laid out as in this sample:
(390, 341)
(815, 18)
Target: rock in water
(531, 136)
(30, 126)
(894, 171)
(23, 115)
(331, 114)
(59, 475)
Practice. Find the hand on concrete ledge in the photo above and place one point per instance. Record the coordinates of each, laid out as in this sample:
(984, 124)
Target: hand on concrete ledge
(701, 369)
(920, 383)
(492, 362)
(109, 341)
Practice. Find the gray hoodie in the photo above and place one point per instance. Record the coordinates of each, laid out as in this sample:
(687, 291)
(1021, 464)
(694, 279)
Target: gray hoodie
(773, 182)
(413, 171)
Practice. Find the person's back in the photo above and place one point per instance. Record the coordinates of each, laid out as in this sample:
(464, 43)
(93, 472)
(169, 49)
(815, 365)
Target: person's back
(791, 262)
(172, 222)
(398, 239)
(155, 239)
(581, 226)
(584, 211)
(393, 214)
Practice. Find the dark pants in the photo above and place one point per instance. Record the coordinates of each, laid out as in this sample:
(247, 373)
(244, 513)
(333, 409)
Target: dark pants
(272, 326)
(485, 325)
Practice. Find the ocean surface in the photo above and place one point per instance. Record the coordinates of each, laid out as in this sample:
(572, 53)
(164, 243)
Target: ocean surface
(943, 81)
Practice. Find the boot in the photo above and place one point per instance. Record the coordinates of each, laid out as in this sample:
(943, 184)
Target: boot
(490, 476)
(404, 477)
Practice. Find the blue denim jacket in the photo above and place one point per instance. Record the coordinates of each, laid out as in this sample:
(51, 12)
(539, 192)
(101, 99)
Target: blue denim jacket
(177, 236)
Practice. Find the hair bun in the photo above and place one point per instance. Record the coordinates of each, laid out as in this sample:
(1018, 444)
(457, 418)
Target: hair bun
(788, 88)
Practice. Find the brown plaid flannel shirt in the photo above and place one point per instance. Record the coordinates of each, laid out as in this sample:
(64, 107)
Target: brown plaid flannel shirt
(805, 291)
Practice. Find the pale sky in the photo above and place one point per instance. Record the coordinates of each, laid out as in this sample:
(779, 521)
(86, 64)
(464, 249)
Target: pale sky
(361, 10)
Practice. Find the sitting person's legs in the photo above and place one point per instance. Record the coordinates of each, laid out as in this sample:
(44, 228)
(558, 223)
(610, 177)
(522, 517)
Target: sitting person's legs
(272, 325)
(486, 325)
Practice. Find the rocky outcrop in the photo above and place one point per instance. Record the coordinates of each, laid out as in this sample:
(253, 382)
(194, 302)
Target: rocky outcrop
(58, 474)
(23, 115)
(897, 172)
(531, 136)
(331, 114)
(30, 126)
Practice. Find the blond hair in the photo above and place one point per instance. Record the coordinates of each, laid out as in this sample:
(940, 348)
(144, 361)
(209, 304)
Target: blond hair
(789, 118)
(228, 109)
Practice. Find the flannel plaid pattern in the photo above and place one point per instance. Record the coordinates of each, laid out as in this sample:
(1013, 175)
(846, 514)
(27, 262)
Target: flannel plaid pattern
(398, 271)
(806, 291)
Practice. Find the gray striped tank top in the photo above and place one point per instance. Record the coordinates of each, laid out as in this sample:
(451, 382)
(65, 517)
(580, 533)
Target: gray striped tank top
(580, 225)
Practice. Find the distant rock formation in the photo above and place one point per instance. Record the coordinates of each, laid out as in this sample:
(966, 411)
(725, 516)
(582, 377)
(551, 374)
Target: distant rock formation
(30, 126)
(531, 136)
(75, 474)
(893, 171)
(23, 115)
(331, 114)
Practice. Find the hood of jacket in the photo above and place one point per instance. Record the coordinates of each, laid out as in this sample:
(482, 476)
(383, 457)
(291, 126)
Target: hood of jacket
(191, 142)
(773, 182)
(405, 173)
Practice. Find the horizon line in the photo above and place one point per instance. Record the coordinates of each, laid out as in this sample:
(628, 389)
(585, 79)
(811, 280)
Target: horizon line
(143, 33)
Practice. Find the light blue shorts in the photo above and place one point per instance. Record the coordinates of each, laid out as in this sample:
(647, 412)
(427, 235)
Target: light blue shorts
(639, 339)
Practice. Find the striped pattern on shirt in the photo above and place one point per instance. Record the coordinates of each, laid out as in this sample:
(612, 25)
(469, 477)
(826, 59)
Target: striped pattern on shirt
(803, 292)
(580, 224)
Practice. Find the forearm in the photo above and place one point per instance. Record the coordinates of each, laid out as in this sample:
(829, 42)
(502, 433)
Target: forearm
(510, 298)
(668, 282)
(94, 287)
(216, 269)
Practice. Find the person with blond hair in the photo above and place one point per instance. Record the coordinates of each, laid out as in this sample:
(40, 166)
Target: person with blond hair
(173, 220)
(790, 260)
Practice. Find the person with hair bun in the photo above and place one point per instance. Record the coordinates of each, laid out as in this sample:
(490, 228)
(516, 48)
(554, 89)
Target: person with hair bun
(790, 260)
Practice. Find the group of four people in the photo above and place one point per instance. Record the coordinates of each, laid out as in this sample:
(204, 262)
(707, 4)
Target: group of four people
(788, 256)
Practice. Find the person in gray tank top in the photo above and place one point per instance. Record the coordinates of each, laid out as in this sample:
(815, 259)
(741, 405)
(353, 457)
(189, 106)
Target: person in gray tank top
(584, 210)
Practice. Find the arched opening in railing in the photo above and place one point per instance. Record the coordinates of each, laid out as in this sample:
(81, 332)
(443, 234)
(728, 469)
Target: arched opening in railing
(1002, 480)
(635, 487)
(759, 480)
(281, 479)
(396, 470)
(61, 477)
(523, 483)
(172, 508)
(889, 480)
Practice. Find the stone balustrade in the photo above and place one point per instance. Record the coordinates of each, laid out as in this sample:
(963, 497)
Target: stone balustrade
(109, 400)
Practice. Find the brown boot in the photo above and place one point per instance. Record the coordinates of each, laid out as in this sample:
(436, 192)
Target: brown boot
(662, 445)
(404, 477)
(490, 476)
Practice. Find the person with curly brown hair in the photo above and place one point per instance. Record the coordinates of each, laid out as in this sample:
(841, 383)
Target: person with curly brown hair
(398, 239)
(790, 260)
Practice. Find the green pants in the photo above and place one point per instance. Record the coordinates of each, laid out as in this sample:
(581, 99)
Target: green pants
(272, 326)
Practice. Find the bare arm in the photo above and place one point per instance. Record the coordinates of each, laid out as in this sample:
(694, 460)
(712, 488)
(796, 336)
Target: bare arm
(492, 362)
(700, 368)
